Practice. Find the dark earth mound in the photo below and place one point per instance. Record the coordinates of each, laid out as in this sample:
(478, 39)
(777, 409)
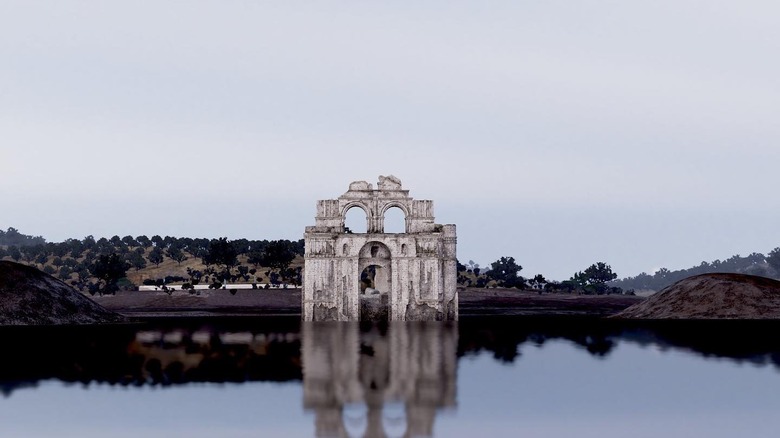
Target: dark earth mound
(31, 297)
(712, 296)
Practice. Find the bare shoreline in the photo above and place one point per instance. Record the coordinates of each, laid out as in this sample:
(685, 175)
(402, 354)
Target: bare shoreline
(271, 302)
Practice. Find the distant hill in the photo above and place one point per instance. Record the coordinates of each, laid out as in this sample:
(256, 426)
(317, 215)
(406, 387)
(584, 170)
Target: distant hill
(753, 264)
(158, 260)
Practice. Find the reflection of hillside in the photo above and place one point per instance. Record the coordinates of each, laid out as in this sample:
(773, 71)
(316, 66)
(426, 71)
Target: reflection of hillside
(379, 379)
(163, 356)
(400, 366)
(752, 341)
(205, 356)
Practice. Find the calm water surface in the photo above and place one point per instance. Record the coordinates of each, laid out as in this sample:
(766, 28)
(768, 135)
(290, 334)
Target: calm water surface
(506, 377)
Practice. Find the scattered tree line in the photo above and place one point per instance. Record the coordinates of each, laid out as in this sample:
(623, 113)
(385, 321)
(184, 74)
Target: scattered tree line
(101, 265)
(505, 272)
(753, 264)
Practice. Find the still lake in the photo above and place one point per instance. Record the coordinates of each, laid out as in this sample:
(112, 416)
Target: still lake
(252, 377)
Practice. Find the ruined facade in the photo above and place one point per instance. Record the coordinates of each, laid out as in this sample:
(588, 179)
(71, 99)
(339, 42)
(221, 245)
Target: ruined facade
(376, 275)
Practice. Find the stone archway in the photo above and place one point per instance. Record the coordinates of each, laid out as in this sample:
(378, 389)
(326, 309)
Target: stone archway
(355, 209)
(391, 211)
(375, 268)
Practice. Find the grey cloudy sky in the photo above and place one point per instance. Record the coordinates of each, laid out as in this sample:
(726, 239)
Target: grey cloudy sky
(643, 134)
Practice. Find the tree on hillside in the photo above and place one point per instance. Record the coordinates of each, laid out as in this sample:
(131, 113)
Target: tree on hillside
(221, 253)
(278, 255)
(505, 271)
(773, 259)
(41, 258)
(242, 246)
(104, 246)
(64, 273)
(175, 253)
(88, 243)
(136, 259)
(90, 257)
(199, 248)
(108, 269)
(156, 256)
(600, 273)
(169, 241)
(594, 279)
(255, 257)
(144, 241)
(28, 255)
(58, 249)
(82, 277)
(75, 247)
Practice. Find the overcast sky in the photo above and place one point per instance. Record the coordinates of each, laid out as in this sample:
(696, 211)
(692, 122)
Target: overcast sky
(642, 134)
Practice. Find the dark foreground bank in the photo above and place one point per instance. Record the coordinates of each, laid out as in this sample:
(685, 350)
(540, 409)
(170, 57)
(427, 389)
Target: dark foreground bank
(31, 297)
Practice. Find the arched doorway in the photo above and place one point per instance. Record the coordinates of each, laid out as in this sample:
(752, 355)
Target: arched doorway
(376, 281)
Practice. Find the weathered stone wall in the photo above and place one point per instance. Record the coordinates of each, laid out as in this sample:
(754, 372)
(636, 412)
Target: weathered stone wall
(417, 269)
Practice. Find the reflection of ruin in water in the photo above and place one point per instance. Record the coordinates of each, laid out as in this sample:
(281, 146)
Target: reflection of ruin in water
(270, 349)
(384, 379)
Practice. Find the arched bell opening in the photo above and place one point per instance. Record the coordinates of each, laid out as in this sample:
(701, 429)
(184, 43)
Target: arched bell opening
(356, 220)
(394, 220)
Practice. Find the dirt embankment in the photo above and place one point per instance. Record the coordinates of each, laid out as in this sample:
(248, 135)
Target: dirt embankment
(712, 296)
(31, 297)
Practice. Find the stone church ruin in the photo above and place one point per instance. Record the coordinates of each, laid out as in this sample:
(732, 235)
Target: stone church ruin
(408, 276)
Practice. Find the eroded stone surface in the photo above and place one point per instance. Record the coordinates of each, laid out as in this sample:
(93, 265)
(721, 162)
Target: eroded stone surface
(416, 270)
(374, 307)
